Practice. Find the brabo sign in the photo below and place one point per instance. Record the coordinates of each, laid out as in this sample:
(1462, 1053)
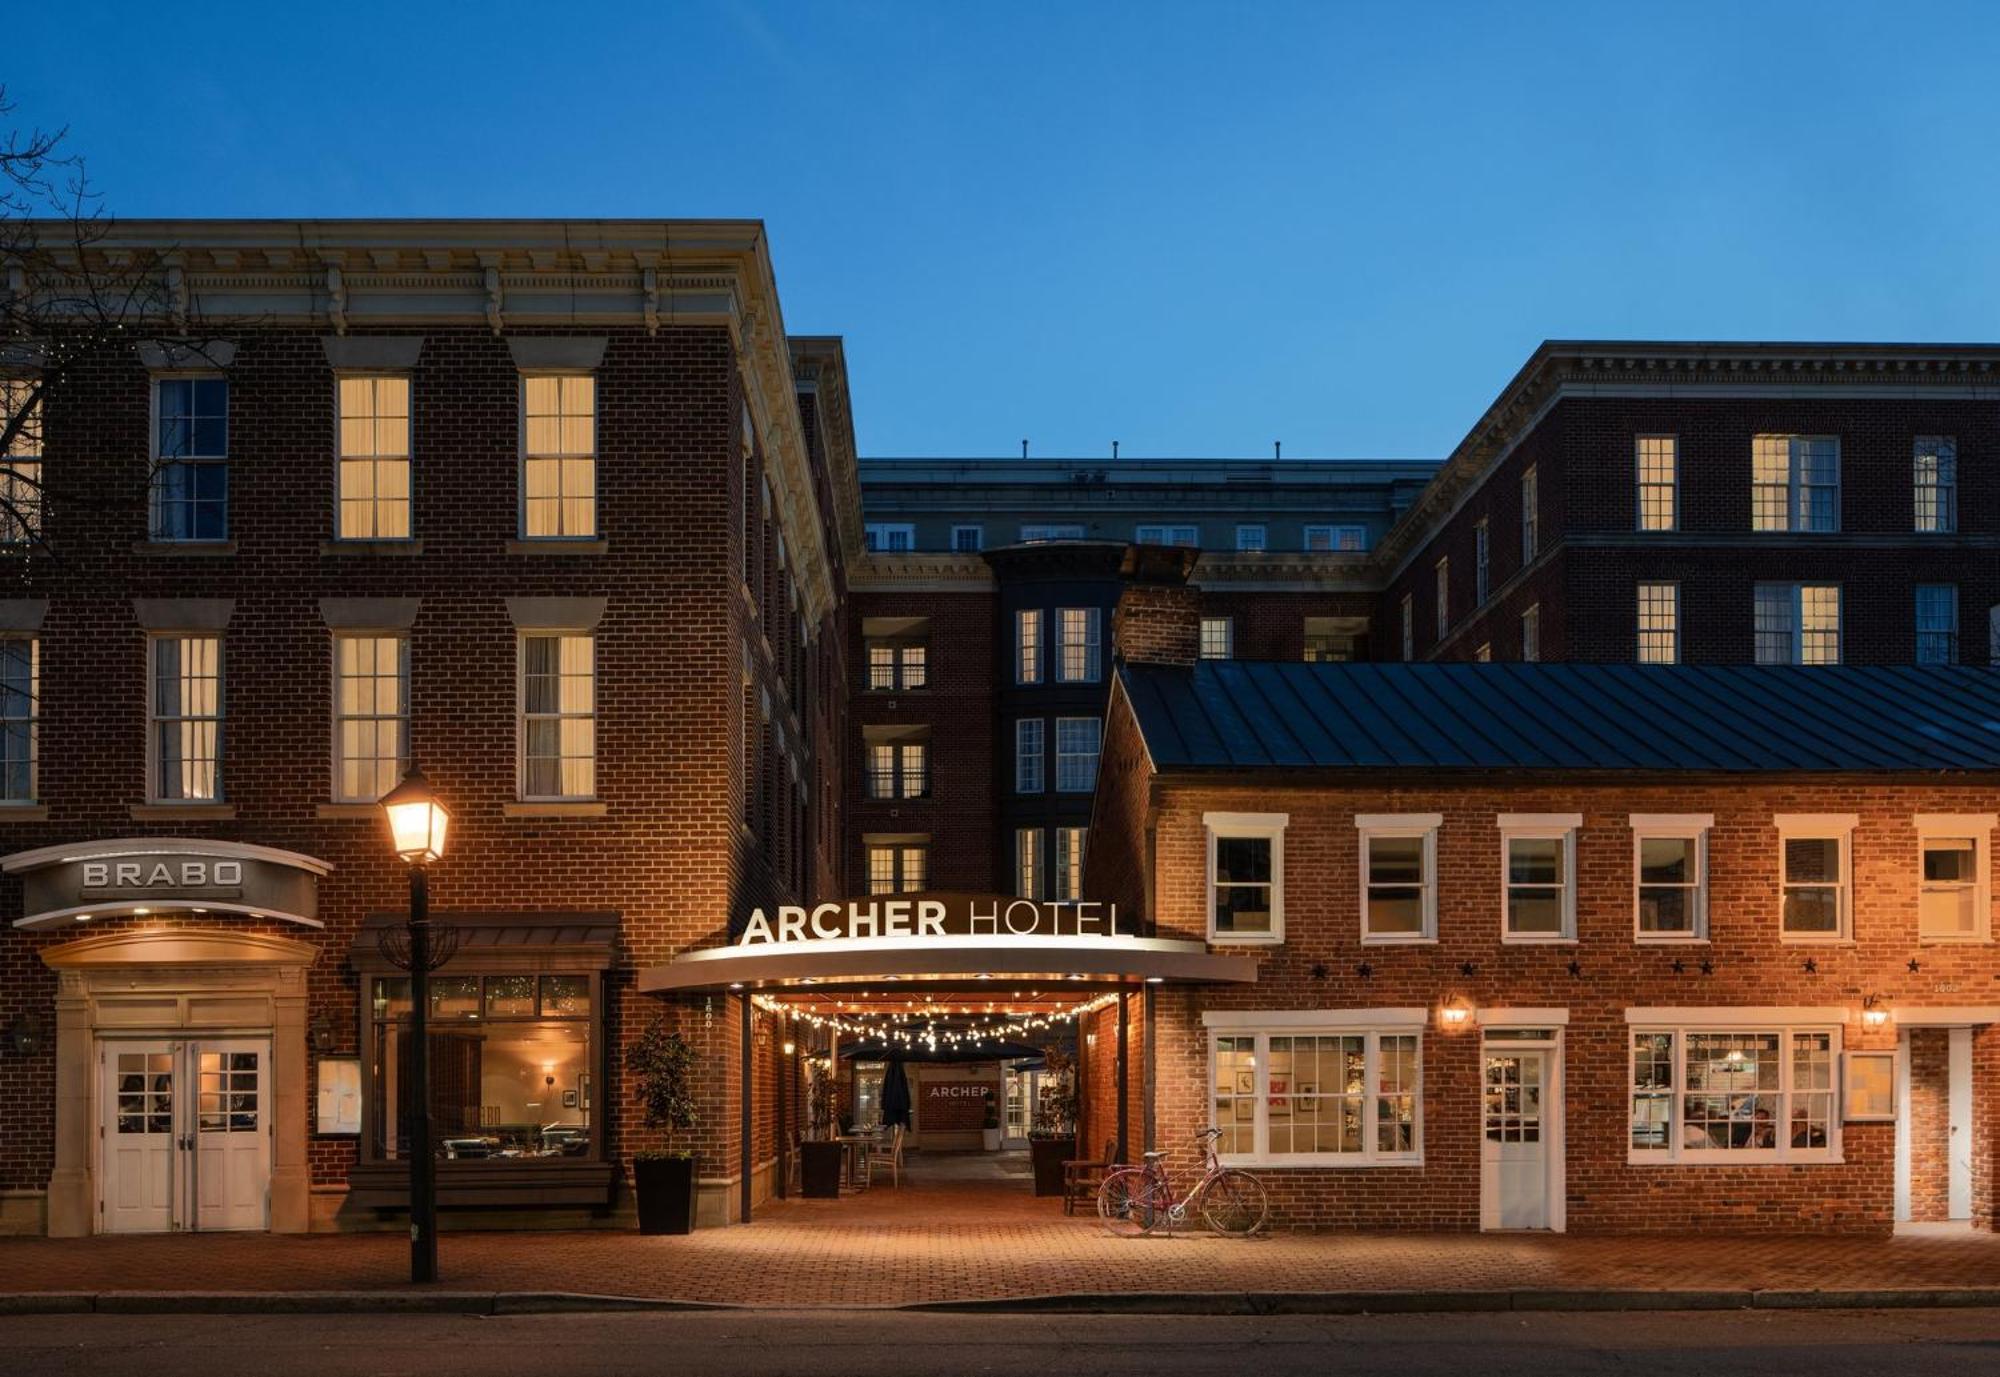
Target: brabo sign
(942, 915)
(82, 880)
(162, 874)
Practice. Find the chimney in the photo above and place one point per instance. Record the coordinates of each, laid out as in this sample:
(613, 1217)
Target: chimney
(1158, 617)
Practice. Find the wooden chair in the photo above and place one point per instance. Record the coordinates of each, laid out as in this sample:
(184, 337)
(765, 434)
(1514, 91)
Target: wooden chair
(889, 1154)
(1082, 1178)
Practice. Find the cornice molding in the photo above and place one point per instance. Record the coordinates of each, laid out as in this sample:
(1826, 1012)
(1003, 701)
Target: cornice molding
(941, 572)
(1283, 571)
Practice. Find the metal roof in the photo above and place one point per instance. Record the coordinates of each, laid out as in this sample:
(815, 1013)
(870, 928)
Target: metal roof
(1246, 715)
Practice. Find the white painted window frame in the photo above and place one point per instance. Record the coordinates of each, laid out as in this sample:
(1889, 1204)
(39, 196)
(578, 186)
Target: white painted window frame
(1951, 827)
(1724, 1019)
(1640, 482)
(1227, 637)
(1819, 827)
(1263, 537)
(1693, 827)
(1424, 825)
(1374, 1025)
(1254, 826)
(1091, 644)
(1026, 759)
(521, 457)
(1561, 827)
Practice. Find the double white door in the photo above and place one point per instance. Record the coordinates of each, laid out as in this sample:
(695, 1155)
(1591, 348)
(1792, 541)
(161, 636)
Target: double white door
(185, 1135)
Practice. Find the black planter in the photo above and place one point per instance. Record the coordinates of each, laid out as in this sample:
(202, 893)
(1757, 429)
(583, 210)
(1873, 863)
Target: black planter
(666, 1191)
(819, 1169)
(1048, 1156)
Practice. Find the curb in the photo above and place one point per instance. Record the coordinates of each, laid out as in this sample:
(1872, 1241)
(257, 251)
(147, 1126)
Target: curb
(334, 1303)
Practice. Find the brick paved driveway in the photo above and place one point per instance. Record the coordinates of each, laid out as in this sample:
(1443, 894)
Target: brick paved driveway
(929, 1241)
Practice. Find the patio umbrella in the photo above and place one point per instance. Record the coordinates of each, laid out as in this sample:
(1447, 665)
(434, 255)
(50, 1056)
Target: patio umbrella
(895, 1096)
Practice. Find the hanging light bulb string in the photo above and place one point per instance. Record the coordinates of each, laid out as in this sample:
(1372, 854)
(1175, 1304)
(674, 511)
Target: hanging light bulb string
(934, 1025)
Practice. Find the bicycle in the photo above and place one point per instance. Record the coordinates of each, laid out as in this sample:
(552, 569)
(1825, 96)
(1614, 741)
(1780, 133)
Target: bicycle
(1135, 1200)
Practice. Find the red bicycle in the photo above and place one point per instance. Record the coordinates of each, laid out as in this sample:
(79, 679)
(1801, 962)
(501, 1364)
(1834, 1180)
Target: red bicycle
(1136, 1200)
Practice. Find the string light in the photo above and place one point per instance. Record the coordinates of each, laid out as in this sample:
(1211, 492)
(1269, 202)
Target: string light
(933, 1025)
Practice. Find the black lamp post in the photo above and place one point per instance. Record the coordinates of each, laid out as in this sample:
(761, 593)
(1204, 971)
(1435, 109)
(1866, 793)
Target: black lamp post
(417, 823)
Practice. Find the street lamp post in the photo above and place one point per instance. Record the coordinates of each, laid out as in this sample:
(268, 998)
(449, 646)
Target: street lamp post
(417, 823)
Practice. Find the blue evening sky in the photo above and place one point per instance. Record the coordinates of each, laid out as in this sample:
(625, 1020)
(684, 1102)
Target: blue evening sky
(1191, 228)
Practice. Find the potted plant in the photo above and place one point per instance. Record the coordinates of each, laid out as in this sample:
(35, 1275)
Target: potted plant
(662, 1067)
(1052, 1137)
(990, 1130)
(820, 1157)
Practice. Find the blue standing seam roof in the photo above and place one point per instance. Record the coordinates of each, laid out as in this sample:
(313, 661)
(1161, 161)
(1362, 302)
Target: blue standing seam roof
(1253, 714)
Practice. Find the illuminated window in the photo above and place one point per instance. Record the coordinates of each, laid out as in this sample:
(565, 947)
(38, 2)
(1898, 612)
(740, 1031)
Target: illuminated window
(190, 489)
(1218, 638)
(1288, 1096)
(186, 719)
(1028, 646)
(1936, 483)
(1955, 888)
(1028, 862)
(20, 461)
(897, 665)
(1538, 858)
(1484, 654)
(1481, 564)
(1531, 634)
(371, 715)
(1250, 538)
(1327, 641)
(897, 867)
(1659, 623)
(1398, 876)
(1336, 539)
(1733, 1095)
(1531, 517)
(1670, 876)
(1795, 483)
(1029, 768)
(20, 717)
(1657, 462)
(898, 768)
(1069, 863)
(558, 716)
(1937, 624)
(1797, 623)
(1078, 662)
(1816, 876)
(374, 458)
(559, 456)
(1246, 876)
(1076, 754)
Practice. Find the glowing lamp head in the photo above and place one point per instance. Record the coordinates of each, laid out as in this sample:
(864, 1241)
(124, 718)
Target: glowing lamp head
(417, 821)
(1456, 1013)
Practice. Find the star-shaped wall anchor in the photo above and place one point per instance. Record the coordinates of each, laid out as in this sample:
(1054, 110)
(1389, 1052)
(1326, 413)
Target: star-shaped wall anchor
(1576, 968)
(1812, 965)
(1468, 968)
(1364, 970)
(1319, 970)
(1680, 966)
(1914, 967)
(1708, 968)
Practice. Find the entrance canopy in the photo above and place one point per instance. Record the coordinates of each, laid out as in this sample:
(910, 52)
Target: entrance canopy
(942, 939)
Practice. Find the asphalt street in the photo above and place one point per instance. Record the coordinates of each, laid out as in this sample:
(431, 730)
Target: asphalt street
(1937, 1343)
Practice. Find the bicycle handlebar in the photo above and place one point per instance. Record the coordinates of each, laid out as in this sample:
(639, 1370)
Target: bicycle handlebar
(1207, 1133)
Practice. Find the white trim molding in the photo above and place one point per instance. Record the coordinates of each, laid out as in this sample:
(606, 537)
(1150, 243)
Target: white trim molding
(1268, 827)
(1521, 1018)
(1738, 1015)
(1327, 1020)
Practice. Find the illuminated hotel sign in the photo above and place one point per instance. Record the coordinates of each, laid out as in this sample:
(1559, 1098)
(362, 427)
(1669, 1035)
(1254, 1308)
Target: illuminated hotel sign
(949, 915)
(82, 881)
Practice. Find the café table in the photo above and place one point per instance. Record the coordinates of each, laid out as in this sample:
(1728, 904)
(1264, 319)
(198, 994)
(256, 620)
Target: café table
(853, 1145)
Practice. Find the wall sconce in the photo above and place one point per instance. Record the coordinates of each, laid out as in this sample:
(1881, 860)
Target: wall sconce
(1874, 1011)
(321, 1033)
(1456, 1012)
(790, 1047)
(28, 1034)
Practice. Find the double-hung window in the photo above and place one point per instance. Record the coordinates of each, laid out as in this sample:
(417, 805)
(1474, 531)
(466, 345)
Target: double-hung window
(1246, 876)
(20, 717)
(1531, 634)
(1218, 638)
(1409, 627)
(1028, 881)
(1741, 1092)
(1335, 539)
(1028, 645)
(1292, 1088)
(20, 461)
(1189, 536)
(1795, 483)
(371, 711)
(1079, 658)
(1029, 770)
(1538, 865)
(1481, 561)
(1042, 533)
(558, 715)
(1936, 483)
(186, 719)
(1656, 471)
(1076, 754)
(190, 488)
(1328, 640)
(897, 665)
(967, 539)
(889, 537)
(1670, 876)
(1069, 863)
(1955, 886)
(558, 456)
(1659, 630)
(1250, 538)
(898, 768)
(1398, 876)
(374, 471)
(1937, 624)
(897, 865)
(1797, 623)
(1816, 876)
(1443, 598)
(1531, 517)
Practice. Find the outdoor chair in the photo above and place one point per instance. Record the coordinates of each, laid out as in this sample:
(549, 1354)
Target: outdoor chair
(1082, 1178)
(889, 1154)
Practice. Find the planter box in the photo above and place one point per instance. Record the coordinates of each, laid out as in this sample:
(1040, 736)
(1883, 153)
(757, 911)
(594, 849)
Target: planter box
(1048, 1156)
(990, 1139)
(819, 1169)
(665, 1187)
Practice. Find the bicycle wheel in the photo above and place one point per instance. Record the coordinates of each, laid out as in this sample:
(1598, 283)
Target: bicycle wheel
(1131, 1202)
(1234, 1204)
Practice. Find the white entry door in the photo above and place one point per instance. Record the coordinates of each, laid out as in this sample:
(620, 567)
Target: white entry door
(1514, 1151)
(186, 1135)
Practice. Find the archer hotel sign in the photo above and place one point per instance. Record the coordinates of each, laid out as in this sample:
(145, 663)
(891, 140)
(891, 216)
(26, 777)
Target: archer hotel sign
(942, 915)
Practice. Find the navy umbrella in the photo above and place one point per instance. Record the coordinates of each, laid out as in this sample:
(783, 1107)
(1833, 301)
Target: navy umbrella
(895, 1096)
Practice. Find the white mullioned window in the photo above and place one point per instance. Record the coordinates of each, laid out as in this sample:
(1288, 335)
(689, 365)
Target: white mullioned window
(1306, 1088)
(190, 488)
(1443, 597)
(1246, 876)
(20, 461)
(374, 467)
(1936, 483)
(1028, 645)
(371, 713)
(558, 727)
(1335, 539)
(889, 537)
(1250, 537)
(1531, 634)
(1816, 876)
(1038, 534)
(897, 865)
(1482, 564)
(186, 719)
(1670, 876)
(1795, 483)
(1069, 863)
(1755, 1090)
(1656, 472)
(1531, 516)
(1937, 624)
(1538, 876)
(1218, 638)
(1080, 655)
(20, 717)
(1954, 880)
(1028, 881)
(1409, 628)
(966, 539)
(1659, 613)
(1030, 767)
(1077, 741)
(558, 456)
(1398, 876)
(1189, 536)
(1797, 623)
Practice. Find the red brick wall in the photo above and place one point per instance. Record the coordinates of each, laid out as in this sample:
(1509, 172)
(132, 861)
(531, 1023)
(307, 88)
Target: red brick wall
(1157, 624)
(1271, 625)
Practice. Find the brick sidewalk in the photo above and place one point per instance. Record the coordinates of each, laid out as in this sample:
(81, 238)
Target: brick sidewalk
(932, 1242)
